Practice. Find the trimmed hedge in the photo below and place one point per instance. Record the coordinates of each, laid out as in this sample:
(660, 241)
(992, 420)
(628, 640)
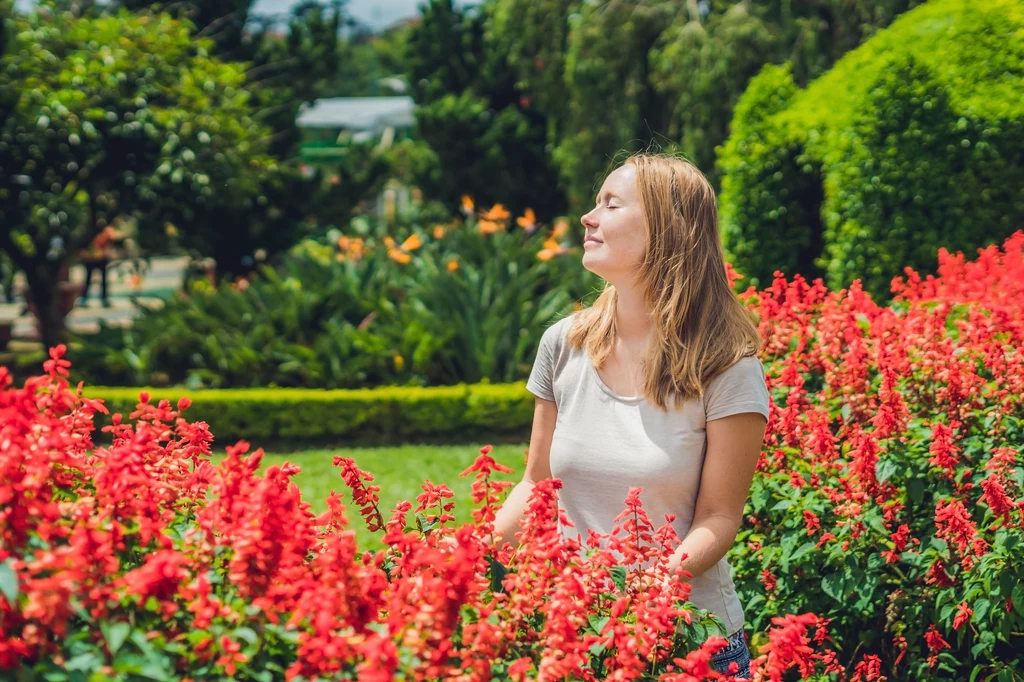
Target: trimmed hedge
(912, 142)
(375, 416)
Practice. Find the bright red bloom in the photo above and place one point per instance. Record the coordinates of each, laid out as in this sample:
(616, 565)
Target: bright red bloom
(963, 614)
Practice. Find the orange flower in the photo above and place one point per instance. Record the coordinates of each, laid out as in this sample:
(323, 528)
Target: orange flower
(467, 204)
(488, 226)
(561, 228)
(399, 256)
(439, 231)
(389, 242)
(496, 213)
(412, 243)
(551, 249)
(453, 265)
(528, 221)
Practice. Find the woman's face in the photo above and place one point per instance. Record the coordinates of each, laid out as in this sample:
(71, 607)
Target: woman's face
(614, 243)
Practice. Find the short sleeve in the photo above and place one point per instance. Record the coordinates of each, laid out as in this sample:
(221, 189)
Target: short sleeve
(741, 388)
(542, 376)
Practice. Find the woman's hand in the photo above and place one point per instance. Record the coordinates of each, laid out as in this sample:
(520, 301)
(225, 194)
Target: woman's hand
(450, 543)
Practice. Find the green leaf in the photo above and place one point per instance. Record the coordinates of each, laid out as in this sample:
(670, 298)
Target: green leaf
(1018, 598)
(761, 498)
(1006, 582)
(618, 574)
(598, 623)
(789, 541)
(981, 609)
(498, 573)
(86, 662)
(802, 550)
(248, 634)
(783, 505)
(915, 488)
(885, 469)
(8, 581)
(834, 586)
(1006, 675)
(115, 634)
(866, 590)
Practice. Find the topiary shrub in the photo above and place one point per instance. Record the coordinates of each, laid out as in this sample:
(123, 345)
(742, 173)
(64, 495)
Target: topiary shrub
(913, 142)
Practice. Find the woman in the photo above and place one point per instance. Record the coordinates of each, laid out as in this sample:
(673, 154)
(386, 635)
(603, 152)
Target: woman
(656, 385)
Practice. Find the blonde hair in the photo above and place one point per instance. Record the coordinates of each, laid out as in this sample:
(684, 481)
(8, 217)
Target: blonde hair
(700, 326)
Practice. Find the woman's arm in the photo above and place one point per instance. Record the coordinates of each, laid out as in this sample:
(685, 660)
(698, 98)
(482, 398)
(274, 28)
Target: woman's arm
(733, 448)
(538, 468)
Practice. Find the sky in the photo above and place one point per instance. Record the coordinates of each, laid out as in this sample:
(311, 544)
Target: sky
(376, 14)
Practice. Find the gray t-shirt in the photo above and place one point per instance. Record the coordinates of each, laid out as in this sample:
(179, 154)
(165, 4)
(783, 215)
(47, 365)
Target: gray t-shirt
(604, 444)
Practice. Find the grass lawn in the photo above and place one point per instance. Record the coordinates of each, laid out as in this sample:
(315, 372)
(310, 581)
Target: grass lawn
(399, 471)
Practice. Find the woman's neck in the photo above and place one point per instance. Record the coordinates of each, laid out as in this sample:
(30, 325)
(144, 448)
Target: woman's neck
(632, 318)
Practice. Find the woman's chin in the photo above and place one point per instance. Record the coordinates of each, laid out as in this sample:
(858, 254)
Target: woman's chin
(593, 264)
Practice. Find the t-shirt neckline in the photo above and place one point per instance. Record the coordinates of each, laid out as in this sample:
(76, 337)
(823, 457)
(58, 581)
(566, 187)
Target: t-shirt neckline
(629, 400)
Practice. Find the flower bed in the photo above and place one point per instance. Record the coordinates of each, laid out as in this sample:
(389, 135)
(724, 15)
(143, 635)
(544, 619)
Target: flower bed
(883, 536)
(144, 560)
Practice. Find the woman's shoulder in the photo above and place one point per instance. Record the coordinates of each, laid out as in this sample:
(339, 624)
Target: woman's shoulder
(560, 328)
(748, 364)
(554, 338)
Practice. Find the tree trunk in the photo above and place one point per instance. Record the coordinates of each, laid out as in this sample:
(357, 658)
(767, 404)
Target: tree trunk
(44, 293)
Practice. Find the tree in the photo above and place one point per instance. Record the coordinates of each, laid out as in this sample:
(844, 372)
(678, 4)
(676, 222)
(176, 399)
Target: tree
(489, 139)
(144, 121)
(287, 66)
(367, 61)
(614, 76)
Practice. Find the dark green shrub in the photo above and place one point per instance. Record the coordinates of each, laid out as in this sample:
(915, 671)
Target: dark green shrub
(912, 142)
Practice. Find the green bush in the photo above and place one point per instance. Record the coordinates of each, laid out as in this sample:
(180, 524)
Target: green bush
(419, 304)
(389, 415)
(912, 142)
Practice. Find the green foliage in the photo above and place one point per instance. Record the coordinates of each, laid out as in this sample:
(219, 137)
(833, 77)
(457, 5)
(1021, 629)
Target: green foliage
(701, 69)
(846, 577)
(534, 36)
(489, 142)
(911, 143)
(485, 318)
(448, 414)
(760, 155)
(614, 77)
(145, 120)
(367, 58)
(467, 306)
(611, 106)
(284, 70)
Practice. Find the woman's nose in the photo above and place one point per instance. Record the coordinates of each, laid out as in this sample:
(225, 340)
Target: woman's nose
(588, 222)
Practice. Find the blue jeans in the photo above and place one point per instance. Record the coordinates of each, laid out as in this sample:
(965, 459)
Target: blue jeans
(736, 651)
